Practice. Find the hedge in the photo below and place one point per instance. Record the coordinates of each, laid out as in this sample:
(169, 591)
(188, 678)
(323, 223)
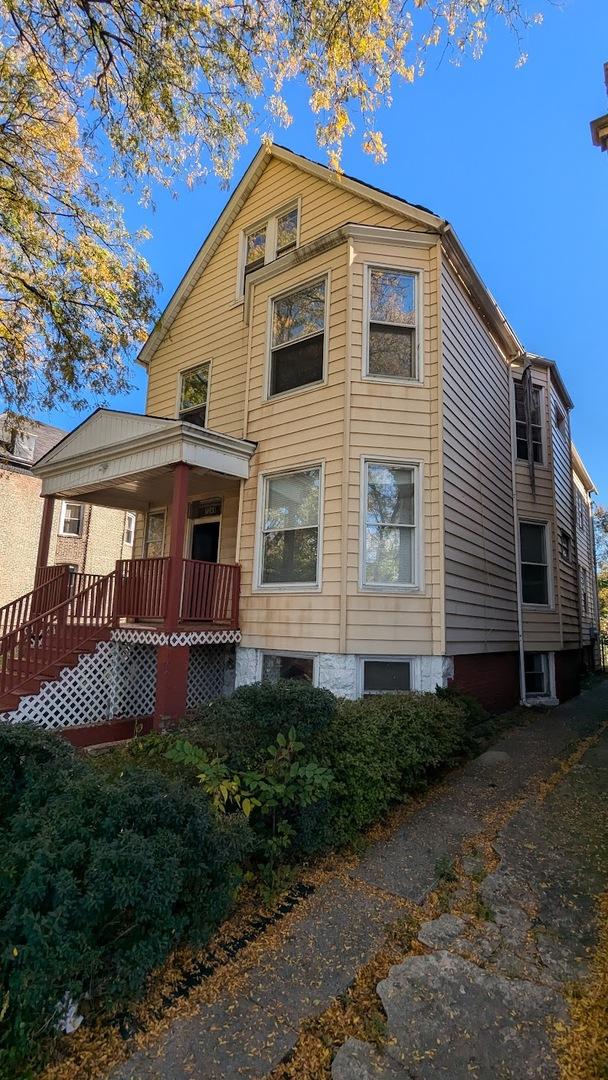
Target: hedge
(109, 861)
(101, 876)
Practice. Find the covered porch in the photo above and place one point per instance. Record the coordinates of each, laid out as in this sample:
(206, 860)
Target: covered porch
(184, 484)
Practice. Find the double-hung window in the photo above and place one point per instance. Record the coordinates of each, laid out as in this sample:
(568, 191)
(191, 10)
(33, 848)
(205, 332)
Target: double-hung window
(581, 513)
(521, 427)
(194, 394)
(268, 240)
(290, 528)
(392, 331)
(534, 563)
(297, 349)
(389, 539)
(584, 590)
(70, 522)
(129, 535)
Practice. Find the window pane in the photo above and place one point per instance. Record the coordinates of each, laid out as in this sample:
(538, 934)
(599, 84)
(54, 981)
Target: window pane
(536, 672)
(390, 495)
(155, 527)
(256, 246)
(72, 519)
(385, 676)
(389, 555)
(299, 314)
(392, 297)
(290, 557)
(533, 543)
(534, 584)
(287, 230)
(391, 351)
(195, 386)
(297, 365)
(292, 500)
(286, 667)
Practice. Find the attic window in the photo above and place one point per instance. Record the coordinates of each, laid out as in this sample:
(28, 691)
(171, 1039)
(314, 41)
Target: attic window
(268, 240)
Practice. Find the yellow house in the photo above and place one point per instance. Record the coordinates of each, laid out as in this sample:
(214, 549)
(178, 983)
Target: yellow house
(349, 470)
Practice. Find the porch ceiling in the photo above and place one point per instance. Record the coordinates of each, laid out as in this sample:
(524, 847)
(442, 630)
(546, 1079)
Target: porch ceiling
(125, 460)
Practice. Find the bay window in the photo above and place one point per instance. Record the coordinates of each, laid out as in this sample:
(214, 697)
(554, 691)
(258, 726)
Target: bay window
(298, 338)
(290, 528)
(389, 539)
(392, 344)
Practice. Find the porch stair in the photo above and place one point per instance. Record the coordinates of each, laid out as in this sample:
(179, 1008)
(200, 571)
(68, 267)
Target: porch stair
(35, 652)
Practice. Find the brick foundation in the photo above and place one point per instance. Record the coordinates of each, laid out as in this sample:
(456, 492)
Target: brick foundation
(568, 667)
(491, 678)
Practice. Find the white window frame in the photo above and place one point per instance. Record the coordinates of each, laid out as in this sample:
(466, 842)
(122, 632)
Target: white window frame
(289, 652)
(550, 698)
(298, 287)
(418, 274)
(154, 510)
(296, 586)
(180, 379)
(413, 661)
(130, 526)
(418, 546)
(549, 606)
(62, 530)
(270, 255)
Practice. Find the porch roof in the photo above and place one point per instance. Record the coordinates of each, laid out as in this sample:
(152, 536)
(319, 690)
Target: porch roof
(125, 459)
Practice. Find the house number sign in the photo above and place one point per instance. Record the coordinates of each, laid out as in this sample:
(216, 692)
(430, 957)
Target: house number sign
(207, 508)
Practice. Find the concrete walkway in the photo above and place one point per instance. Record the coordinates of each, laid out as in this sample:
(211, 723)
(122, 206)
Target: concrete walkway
(480, 1001)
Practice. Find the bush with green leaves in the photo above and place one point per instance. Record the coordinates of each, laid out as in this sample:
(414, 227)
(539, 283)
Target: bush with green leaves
(240, 728)
(101, 876)
(379, 749)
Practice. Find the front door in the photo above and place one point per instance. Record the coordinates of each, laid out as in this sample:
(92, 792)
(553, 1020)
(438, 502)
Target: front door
(205, 540)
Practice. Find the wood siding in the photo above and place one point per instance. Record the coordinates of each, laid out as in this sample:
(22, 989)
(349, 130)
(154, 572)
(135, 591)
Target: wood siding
(480, 583)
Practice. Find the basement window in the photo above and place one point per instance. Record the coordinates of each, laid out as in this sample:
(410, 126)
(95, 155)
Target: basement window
(277, 666)
(536, 669)
(386, 677)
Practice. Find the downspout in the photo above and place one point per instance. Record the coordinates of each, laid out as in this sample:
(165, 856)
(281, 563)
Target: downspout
(520, 617)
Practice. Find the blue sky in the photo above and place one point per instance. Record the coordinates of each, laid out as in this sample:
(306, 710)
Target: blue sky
(506, 155)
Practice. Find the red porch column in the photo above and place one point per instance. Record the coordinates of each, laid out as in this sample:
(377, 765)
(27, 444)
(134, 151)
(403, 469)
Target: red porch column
(172, 660)
(46, 525)
(179, 504)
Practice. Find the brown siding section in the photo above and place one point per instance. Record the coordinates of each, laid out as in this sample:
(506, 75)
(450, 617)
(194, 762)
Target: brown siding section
(480, 590)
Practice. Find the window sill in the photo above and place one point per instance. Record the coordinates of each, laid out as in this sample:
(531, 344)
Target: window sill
(291, 393)
(391, 380)
(542, 609)
(287, 588)
(536, 700)
(391, 590)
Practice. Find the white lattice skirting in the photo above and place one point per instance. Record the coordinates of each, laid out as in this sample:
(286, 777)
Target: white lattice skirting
(181, 637)
(210, 674)
(117, 679)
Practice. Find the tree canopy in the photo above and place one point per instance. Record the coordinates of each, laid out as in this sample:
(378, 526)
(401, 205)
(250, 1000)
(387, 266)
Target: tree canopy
(96, 94)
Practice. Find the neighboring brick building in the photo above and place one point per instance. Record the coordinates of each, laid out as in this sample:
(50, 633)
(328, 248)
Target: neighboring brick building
(89, 538)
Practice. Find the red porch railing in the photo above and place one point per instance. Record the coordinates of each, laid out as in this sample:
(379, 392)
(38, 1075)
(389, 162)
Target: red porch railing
(51, 587)
(37, 645)
(211, 593)
(141, 588)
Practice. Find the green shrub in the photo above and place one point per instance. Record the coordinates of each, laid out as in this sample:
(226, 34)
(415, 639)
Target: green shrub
(100, 877)
(378, 750)
(241, 727)
(29, 756)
